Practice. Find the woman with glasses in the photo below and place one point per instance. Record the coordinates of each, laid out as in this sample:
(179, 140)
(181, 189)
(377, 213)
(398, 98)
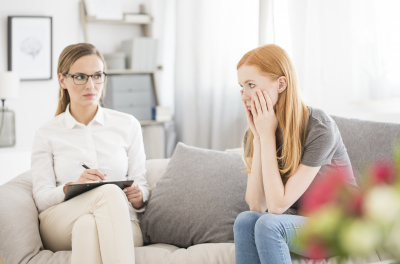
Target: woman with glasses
(101, 225)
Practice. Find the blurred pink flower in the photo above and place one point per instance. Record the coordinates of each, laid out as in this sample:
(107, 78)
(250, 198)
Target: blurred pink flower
(316, 250)
(383, 172)
(354, 204)
(347, 220)
(325, 190)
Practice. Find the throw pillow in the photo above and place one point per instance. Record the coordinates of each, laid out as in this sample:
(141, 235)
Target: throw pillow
(197, 199)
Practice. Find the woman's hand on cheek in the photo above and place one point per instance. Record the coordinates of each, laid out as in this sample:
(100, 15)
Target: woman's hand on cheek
(264, 117)
(250, 120)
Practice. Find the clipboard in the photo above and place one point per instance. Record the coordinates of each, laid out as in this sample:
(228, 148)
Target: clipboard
(76, 189)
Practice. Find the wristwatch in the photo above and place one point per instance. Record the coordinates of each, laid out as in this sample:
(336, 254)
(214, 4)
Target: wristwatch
(65, 186)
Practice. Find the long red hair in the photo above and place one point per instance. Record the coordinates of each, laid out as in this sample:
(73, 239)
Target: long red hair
(273, 61)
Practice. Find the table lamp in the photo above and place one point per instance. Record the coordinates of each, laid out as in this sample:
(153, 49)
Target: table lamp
(9, 84)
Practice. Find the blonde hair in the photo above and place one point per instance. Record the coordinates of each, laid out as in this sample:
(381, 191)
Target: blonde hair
(273, 61)
(67, 57)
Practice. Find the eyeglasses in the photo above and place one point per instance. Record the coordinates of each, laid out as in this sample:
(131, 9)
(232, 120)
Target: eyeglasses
(81, 79)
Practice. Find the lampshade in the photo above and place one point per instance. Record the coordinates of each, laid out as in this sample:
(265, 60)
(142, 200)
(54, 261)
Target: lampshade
(9, 84)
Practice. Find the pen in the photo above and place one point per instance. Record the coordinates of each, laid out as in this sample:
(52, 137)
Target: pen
(86, 167)
(83, 165)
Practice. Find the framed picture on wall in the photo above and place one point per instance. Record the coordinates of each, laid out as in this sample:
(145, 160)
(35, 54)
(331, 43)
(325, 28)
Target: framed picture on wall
(30, 47)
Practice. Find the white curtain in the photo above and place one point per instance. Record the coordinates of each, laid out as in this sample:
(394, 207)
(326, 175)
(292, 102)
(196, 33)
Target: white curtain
(211, 38)
(344, 50)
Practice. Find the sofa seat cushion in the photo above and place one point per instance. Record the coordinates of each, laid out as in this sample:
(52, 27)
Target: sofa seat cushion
(218, 253)
(221, 253)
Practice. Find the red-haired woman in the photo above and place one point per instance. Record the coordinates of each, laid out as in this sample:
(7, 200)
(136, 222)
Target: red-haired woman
(287, 146)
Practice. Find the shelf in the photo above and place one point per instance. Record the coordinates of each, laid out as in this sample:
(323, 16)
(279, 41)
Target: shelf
(138, 22)
(128, 71)
(143, 19)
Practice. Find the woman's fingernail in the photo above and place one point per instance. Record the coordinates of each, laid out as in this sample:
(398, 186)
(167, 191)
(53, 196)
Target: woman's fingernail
(124, 190)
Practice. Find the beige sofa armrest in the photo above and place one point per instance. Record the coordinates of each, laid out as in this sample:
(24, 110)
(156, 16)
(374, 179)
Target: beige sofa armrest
(155, 169)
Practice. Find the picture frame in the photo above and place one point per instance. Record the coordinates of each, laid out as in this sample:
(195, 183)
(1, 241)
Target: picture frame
(30, 47)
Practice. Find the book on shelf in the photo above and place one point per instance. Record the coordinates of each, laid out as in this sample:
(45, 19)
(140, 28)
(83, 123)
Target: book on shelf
(141, 53)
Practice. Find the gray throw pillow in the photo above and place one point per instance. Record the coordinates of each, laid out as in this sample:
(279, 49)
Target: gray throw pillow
(197, 199)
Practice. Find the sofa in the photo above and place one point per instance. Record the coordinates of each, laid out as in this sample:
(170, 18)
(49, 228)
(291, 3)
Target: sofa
(20, 240)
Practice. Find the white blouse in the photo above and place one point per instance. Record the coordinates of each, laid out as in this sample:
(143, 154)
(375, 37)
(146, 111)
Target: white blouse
(112, 142)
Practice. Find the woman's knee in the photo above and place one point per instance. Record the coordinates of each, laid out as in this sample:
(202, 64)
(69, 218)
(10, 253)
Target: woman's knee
(246, 220)
(110, 189)
(268, 224)
(109, 196)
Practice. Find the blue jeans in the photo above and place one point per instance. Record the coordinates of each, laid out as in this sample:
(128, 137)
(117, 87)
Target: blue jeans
(266, 238)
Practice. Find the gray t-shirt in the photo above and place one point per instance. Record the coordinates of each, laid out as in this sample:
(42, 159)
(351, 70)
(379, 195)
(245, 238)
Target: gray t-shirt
(324, 147)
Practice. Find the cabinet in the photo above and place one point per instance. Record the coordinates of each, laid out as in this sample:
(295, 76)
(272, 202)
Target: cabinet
(131, 93)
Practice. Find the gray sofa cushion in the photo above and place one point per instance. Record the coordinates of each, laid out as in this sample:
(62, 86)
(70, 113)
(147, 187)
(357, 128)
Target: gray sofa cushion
(367, 141)
(197, 199)
(19, 237)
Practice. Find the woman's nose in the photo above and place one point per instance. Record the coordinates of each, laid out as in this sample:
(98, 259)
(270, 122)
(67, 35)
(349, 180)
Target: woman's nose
(246, 95)
(90, 83)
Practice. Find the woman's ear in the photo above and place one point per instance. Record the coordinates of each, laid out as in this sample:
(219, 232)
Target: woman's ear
(282, 82)
(61, 79)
